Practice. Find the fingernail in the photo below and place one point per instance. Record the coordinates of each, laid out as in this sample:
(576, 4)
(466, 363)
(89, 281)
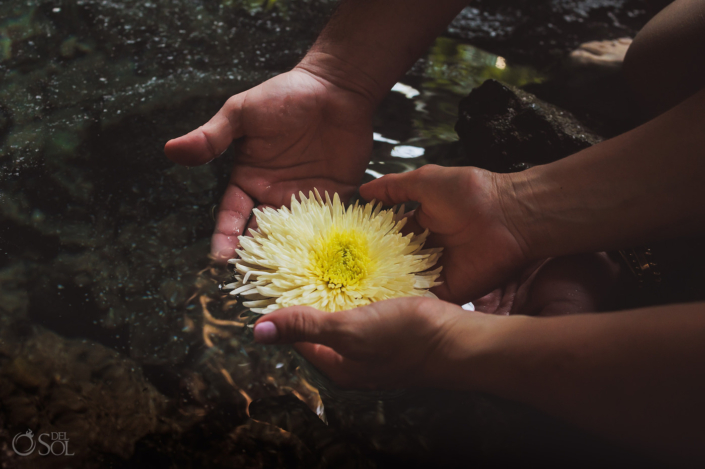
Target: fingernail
(266, 332)
(226, 253)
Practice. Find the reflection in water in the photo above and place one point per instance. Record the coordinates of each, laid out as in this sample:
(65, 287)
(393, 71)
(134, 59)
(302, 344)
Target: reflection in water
(220, 336)
(452, 70)
(407, 151)
(422, 117)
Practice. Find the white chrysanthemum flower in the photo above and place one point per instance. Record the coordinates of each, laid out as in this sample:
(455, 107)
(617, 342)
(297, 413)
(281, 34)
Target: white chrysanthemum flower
(319, 254)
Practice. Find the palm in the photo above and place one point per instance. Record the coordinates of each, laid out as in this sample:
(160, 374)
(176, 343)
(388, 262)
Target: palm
(295, 132)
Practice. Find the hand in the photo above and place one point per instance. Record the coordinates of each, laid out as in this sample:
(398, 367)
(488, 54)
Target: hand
(462, 208)
(565, 285)
(390, 344)
(407, 342)
(295, 132)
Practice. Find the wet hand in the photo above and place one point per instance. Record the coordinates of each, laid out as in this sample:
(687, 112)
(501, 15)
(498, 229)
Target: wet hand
(293, 132)
(395, 343)
(462, 208)
(566, 285)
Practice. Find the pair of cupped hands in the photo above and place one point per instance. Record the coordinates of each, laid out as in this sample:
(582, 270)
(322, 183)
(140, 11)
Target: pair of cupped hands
(299, 131)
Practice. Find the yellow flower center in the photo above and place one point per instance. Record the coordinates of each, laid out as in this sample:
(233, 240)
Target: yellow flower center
(341, 258)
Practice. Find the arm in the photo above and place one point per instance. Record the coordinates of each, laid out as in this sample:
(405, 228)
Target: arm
(372, 43)
(635, 377)
(642, 186)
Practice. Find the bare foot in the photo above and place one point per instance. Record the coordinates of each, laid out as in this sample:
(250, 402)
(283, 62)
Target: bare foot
(607, 54)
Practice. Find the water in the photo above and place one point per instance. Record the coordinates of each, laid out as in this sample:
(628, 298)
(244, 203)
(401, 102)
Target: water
(113, 329)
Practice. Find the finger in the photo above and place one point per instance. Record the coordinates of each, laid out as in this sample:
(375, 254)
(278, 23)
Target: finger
(399, 188)
(412, 225)
(210, 140)
(342, 371)
(233, 213)
(299, 324)
(252, 224)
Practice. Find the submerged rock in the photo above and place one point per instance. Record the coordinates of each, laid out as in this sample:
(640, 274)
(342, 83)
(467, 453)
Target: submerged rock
(97, 397)
(502, 128)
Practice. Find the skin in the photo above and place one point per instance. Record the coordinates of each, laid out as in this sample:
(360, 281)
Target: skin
(480, 251)
(663, 65)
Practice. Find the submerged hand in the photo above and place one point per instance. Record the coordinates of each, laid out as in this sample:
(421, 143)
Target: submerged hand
(462, 209)
(295, 132)
(566, 285)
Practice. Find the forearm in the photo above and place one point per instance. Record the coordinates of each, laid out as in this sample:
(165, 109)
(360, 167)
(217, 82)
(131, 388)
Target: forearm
(635, 377)
(642, 186)
(368, 44)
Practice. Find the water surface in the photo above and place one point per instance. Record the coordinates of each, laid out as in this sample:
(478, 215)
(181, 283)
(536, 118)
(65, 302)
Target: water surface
(113, 328)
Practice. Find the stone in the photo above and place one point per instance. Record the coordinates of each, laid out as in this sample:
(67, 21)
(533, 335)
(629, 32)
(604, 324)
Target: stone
(502, 129)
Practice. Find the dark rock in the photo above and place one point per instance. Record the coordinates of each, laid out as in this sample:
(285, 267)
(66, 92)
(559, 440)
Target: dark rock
(544, 32)
(98, 398)
(504, 129)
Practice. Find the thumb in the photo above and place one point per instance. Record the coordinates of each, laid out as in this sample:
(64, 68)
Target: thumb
(210, 140)
(404, 187)
(299, 324)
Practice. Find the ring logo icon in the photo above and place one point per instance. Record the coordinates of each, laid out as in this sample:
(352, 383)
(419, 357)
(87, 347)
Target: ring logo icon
(17, 445)
(54, 443)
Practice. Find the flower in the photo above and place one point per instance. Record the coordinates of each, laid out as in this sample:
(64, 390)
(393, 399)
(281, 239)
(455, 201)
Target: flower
(319, 254)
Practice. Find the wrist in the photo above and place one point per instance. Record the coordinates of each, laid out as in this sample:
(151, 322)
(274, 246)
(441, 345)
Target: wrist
(497, 360)
(472, 354)
(525, 199)
(343, 74)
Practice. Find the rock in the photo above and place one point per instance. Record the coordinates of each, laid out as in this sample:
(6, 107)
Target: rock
(502, 128)
(544, 32)
(98, 398)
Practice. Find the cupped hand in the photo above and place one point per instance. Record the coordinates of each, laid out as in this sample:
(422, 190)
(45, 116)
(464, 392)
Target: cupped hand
(408, 342)
(294, 132)
(395, 343)
(462, 208)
